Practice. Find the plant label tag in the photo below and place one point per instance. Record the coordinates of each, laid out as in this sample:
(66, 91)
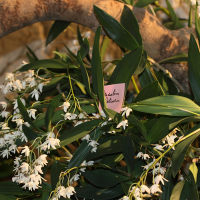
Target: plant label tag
(114, 95)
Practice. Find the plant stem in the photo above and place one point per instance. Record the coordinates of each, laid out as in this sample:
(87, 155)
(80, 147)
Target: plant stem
(162, 8)
(135, 85)
(167, 73)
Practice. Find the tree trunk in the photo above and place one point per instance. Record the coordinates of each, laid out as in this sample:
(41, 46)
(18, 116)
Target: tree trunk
(159, 42)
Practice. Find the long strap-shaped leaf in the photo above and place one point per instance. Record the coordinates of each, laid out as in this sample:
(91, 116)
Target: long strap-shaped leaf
(167, 105)
(84, 74)
(69, 136)
(126, 67)
(50, 111)
(46, 63)
(84, 149)
(181, 149)
(194, 67)
(143, 3)
(115, 30)
(197, 24)
(97, 73)
(130, 23)
(57, 28)
(174, 16)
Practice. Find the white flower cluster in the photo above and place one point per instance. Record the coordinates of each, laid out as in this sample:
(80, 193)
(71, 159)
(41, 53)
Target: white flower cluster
(29, 81)
(125, 112)
(63, 192)
(28, 174)
(72, 116)
(51, 142)
(138, 191)
(92, 143)
(169, 139)
(89, 163)
(9, 136)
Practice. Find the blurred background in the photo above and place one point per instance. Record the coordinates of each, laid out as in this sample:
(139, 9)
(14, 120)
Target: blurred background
(13, 46)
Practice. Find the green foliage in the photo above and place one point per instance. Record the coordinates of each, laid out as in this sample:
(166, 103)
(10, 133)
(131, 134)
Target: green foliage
(57, 28)
(104, 152)
(143, 3)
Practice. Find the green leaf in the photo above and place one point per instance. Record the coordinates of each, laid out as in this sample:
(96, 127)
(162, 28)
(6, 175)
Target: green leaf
(104, 178)
(55, 173)
(85, 46)
(32, 53)
(104, 46)
(84, 74)
(112, 160)
(30, 134)
(193, 69)
(176, 193)
(134, 121)
(198, 177)
(197, 24)
(143, 3)
(115, 30)
(11, 188)
(161, 128)
(129, 22)
(145, 78)
(84, 149)
(111, 127)
(178, 58)
(63, 56)
(30, 58)
(169, 185)
(126, 67)
(181, 149)
(142, 64)
(114, 115)
(92, 192)
(189, 190)
(184, 120)
(149, 91)
(57, 28)
(109, 145)
(97, 73)
(50, 111)
(167, 105)
(174, 16)
(24, 112)
(69, 136)
(45, 195)
(129, 154)
(71, 54)
(193, 168)
(190, 17)
(138, 169)
(46, 63)
(167, 84)
(96, 60)
(7, 197)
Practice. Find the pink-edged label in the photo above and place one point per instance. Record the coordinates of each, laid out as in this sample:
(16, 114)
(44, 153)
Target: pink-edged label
(114, 95)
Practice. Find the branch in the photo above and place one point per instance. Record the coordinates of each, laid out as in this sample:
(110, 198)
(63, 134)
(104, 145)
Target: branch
(167, 73)
(158, 41)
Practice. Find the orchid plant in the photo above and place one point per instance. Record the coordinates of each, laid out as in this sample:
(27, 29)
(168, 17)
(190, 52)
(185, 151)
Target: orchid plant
(56, 125)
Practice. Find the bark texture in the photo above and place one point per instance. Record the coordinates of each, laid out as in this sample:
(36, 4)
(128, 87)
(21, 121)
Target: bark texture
(158, 41)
